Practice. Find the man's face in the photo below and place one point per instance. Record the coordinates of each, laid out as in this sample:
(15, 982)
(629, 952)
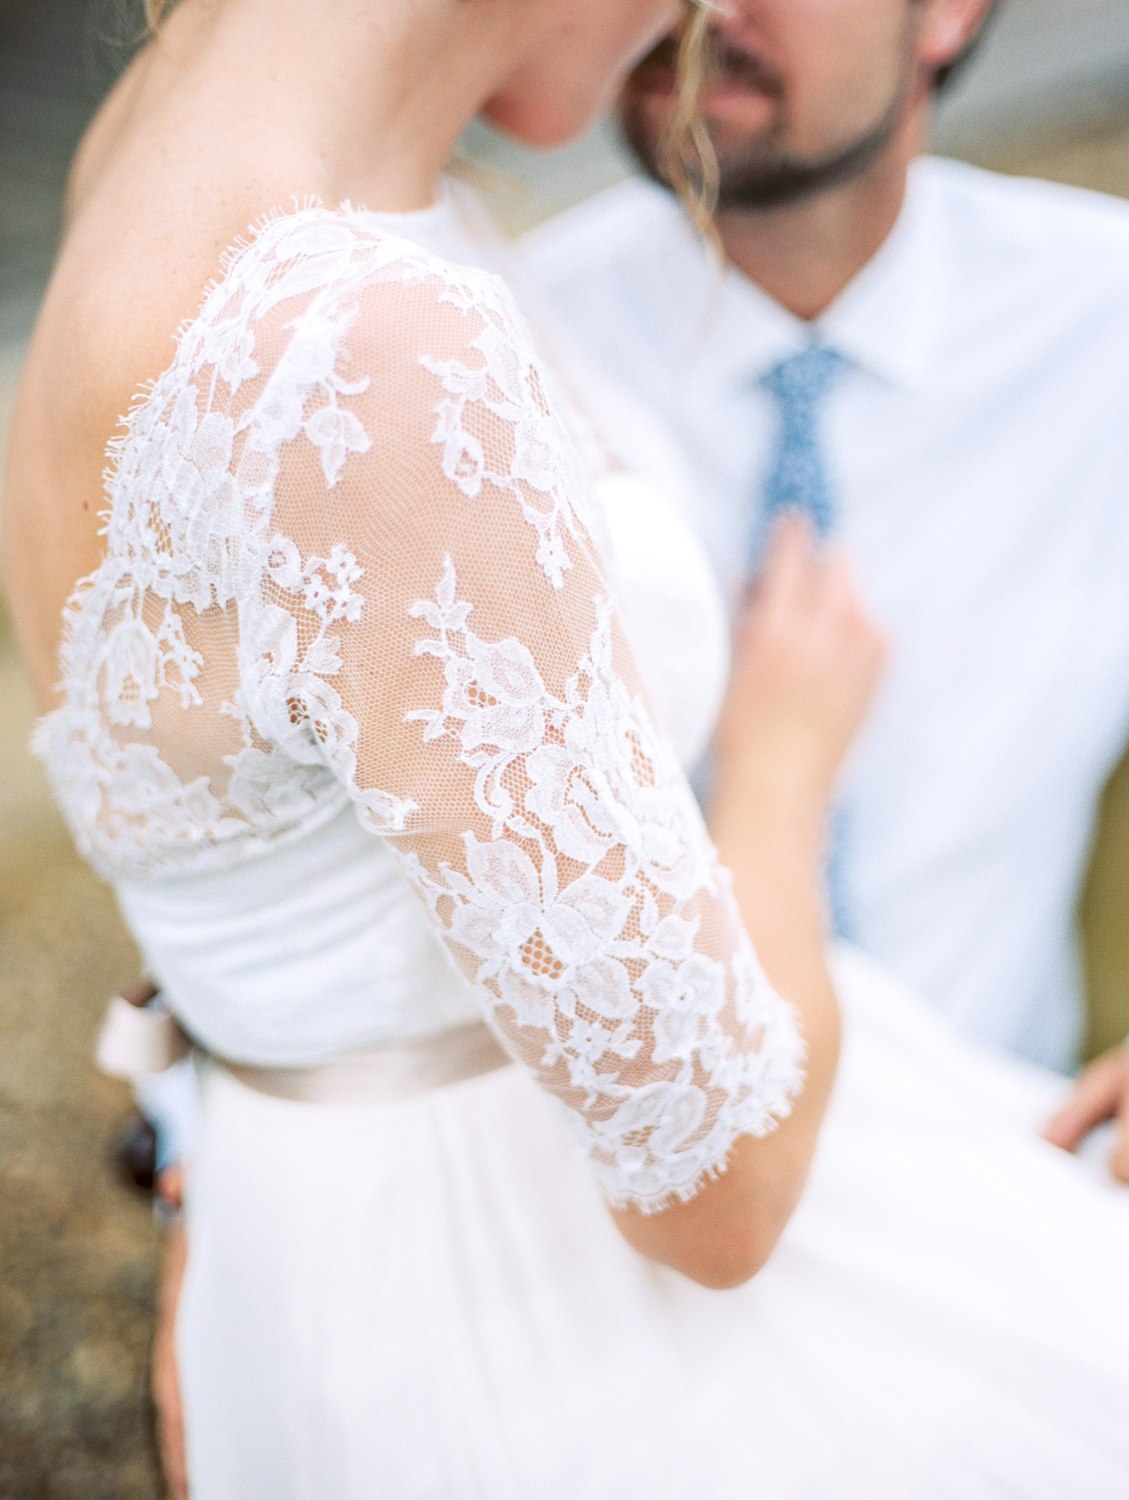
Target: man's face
(802, 94)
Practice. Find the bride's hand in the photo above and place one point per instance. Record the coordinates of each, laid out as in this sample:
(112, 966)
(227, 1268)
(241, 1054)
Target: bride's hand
(806, 662)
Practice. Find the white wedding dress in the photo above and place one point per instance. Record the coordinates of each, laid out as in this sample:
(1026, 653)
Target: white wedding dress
(373, 715)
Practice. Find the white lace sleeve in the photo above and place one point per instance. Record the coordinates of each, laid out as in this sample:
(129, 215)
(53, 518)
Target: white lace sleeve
(349, 555)
(434, 619)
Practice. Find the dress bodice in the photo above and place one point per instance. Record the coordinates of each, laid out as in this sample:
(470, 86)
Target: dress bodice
(359, 711)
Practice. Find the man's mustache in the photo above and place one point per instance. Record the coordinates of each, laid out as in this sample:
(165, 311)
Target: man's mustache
(722, 61)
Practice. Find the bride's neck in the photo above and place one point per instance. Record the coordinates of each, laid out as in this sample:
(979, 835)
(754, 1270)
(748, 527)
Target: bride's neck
(371, 95)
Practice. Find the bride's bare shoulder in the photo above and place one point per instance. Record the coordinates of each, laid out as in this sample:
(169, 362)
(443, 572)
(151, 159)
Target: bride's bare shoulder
(99, 137)
(140, 245)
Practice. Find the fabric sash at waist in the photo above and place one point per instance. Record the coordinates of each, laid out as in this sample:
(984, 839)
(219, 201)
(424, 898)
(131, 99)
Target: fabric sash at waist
(135, 1042)
(382, 1074)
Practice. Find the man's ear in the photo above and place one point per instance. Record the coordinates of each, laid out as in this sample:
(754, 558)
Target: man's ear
(946, 28)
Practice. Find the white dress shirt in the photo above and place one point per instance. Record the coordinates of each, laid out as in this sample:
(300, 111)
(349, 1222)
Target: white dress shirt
(978, 450)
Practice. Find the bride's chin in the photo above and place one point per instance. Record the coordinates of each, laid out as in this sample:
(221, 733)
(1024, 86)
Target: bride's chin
(543, 128)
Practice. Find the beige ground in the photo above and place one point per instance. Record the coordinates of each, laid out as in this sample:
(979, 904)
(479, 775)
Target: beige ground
(76, 1250)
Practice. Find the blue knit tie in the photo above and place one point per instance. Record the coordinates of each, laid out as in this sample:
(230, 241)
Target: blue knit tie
(797, 481)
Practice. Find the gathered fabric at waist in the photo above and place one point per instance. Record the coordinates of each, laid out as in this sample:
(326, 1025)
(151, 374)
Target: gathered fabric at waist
(319, 949)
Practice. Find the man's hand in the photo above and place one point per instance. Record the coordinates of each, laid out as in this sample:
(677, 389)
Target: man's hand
(1100, 1093)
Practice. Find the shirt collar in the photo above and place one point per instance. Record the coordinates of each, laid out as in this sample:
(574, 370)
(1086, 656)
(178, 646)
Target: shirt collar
(889, 320)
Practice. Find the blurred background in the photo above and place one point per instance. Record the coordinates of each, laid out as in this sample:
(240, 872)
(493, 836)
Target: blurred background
(1048, 95)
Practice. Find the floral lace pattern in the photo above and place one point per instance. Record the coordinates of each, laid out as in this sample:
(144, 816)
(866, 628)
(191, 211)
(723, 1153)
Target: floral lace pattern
(349, 556)
(607, 970)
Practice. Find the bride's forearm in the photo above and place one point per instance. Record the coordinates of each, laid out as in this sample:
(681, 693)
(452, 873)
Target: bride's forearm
(805, 664)
(725, 1234)
(774, 848)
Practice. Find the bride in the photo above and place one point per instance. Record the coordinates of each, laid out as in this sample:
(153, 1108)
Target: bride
(378, 658)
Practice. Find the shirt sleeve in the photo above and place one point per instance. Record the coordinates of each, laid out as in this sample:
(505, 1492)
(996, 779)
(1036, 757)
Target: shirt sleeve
(432, 620)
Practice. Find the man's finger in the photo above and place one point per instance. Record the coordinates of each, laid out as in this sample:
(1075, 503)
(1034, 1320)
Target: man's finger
(1094, 1098)
(1119, 1157)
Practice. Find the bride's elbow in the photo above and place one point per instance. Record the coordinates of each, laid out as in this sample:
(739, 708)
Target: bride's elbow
(723, 1262)
(718, 1251)
(728, 1231)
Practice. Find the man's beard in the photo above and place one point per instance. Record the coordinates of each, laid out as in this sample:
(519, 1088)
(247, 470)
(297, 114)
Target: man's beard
(760, 172)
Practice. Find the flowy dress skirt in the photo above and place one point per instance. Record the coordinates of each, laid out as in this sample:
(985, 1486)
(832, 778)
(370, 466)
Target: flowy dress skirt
(427, 1300)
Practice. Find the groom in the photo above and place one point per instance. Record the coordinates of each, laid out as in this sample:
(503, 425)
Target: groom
(931, 361)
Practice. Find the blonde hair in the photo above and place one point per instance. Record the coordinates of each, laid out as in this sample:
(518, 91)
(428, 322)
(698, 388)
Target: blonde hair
(687, 155)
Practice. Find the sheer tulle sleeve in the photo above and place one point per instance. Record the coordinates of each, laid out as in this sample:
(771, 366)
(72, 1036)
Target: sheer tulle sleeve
(434, 622)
